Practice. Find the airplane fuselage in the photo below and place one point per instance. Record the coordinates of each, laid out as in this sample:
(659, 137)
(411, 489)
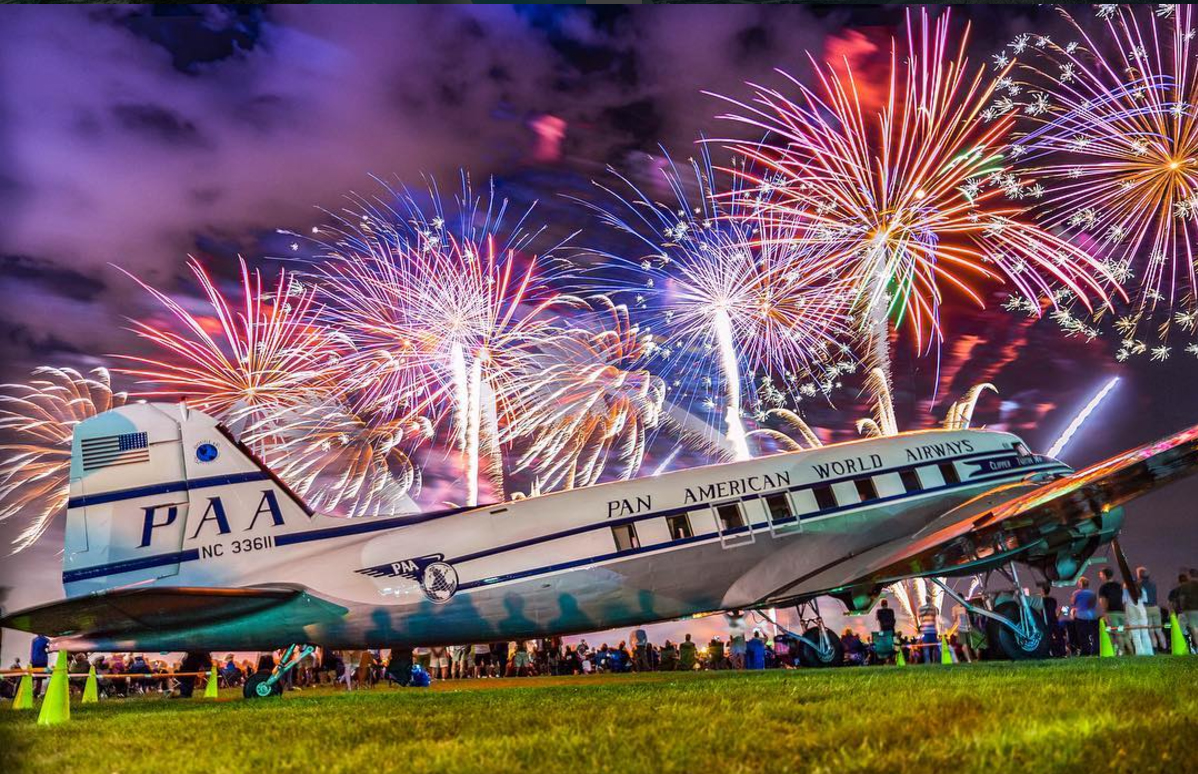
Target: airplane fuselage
(723, 537)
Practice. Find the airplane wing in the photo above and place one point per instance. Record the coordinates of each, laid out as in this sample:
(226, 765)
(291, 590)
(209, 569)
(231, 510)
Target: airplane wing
(126, 611)
(1029, 521)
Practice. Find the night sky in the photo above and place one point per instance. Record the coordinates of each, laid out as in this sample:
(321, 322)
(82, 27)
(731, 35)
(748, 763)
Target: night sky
(136, 136)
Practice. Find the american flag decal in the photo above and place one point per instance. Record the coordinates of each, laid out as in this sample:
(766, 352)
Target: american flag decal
(114, 450)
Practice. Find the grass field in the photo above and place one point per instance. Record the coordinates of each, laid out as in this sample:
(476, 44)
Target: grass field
(1080, 715)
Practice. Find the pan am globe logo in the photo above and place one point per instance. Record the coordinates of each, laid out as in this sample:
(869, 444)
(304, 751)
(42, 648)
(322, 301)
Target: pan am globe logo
(439, 581)
(206, 451)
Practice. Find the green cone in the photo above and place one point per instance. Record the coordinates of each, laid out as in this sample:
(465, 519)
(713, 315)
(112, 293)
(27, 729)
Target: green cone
(91, 693)
(1177, 639)
(211, 688)
(24, 697)
(1106, 648)
(946, 653)
(56, 706)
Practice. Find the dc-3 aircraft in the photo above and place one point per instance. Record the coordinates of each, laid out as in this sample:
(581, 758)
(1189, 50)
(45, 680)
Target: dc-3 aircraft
(178, 538)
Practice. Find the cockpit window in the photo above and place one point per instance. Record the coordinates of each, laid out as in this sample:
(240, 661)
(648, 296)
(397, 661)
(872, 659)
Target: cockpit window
(1022, 450)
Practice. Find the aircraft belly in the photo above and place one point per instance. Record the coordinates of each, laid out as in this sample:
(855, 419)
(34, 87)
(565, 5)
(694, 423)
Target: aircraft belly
(828, 547)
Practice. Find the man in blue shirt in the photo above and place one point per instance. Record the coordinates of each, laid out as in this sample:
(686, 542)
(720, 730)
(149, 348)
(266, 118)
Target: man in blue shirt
(755, 652)
(39, 659)
(1084, 613)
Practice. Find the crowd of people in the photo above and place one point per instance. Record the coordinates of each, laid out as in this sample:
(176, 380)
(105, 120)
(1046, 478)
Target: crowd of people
(1132, 612)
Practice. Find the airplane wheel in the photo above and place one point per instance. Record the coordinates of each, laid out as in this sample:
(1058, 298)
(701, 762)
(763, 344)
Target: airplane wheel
(256, 686)
(809, 656)
(1012, 646)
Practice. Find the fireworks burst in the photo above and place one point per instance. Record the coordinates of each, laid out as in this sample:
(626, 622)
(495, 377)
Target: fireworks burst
(589, 404)
(342, 462)
(35, 466)
(728, 292)
(1112, 147)
(911, 201)
(241, 366)
(438, 309)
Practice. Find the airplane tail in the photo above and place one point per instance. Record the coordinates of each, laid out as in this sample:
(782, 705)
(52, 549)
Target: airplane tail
(155, 486)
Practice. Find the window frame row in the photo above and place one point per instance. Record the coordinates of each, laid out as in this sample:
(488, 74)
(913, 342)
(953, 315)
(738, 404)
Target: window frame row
(780, 510)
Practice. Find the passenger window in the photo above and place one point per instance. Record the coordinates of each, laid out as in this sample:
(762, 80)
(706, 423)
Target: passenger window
(866, 489)
(825, 498)
(625, 535)
(679, 527)
(779, 508)
(949, 472)
(911, 481)
(730, 516)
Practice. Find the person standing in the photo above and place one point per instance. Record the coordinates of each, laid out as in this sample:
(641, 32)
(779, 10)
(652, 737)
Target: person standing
(885, 616)
(1135, 602)
(964, 632)
(640, 650)
(1153, 609)
(1052, 622)
(439, 662)
(1187, 605)
(928, 631)
(1084, 613)
(1110, 595)
(481, 659)
(736, 643)
(39, 660)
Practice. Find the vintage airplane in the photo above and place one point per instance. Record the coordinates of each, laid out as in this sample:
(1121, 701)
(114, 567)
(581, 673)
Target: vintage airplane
(178, 538)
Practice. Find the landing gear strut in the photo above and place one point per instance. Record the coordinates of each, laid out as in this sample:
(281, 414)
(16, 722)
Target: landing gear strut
(1019, 631)
(819, 646)
(261, 685)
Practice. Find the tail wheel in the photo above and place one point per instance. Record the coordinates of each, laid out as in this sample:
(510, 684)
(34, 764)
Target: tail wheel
(831, 654)
(1014, 646)
(257, 687)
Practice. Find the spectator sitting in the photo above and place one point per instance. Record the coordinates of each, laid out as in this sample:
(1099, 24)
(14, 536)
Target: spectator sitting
(668, 657)
(138, 667)
(755, 652)
(687, 655)
(854, 648)
(230, 672)
(715, 653)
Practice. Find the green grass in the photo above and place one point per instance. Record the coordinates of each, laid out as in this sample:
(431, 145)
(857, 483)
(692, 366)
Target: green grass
(1081, 715)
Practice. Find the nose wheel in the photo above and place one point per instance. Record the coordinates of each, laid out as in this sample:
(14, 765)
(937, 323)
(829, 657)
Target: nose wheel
(260, 686)
(821, 647)
(1019, 630)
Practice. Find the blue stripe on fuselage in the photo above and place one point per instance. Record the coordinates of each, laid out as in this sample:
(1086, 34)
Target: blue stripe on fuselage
(365, 527)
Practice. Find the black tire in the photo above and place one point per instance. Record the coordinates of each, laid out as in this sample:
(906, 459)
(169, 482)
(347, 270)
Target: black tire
(1008, 644)
(809, 656)
(256, 688)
